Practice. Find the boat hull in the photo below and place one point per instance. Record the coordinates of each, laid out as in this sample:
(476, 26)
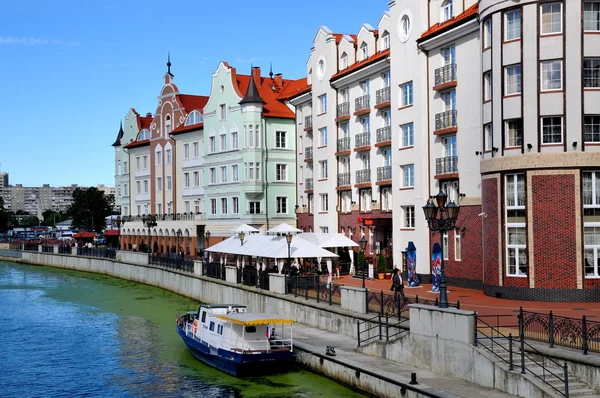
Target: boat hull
(238, 364)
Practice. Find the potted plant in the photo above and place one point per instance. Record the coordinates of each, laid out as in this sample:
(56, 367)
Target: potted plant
(381, 266)
(360, 262)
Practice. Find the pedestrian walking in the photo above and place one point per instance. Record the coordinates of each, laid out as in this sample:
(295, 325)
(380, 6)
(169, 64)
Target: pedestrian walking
(397, 285)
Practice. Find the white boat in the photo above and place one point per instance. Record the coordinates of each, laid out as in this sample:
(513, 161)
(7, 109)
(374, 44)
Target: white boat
(238, 342)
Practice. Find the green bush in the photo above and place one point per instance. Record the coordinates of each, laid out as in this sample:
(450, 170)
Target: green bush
(361, 257)
(381, 264)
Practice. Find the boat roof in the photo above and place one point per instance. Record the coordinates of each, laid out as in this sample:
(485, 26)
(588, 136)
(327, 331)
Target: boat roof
(223, 306)
(248, 318)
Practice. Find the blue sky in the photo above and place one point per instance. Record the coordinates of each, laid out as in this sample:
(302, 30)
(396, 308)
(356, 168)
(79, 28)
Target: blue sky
(72, 69)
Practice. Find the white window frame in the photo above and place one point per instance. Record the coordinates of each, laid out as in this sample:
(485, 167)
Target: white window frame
(196, 149)
(281, 204)
(235, 170)
(254, 204)
(234, 140)
(408, 135)
(515, 200)
(323, 139)
(512, 32)
(386, 40)
(212, 175)
(408, 175)
(212, 146)
(588, 16)
(235, 205)
(281, 172)
(322, 103)
(186, 151)
(445, 246)
(591, 72)
(281, 139)
(457, 245)
(224, 206)
(386, 199)
(548, 67)
(406, 94)
(447, 11)
(186, 180)
(487, 86)
(408, 217)
(487, 33)
(518, 247)
(518, 135)
(512, 73)
(324, 203)
(551, 24)
(594, 247)
(591, 123)
(366, 199)
(364, 51)
(159, 184)
(213, 207)
(168, 157)
(222, 112)
(323, 170)
(543, 126)
(169, 183)
(224, 178)
(196, 178)
(223, 142)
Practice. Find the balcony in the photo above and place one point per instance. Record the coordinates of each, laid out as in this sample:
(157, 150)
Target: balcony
(308, 154)
(362, 105)
(445, 77)
(384, 136)
(445, 123)
(362, 141)
(363, 176)
(308, 123)
(446, 167)
(383, 98)
(342, 111)
(343, 145)
(343, 180)
(384, 174)
(308, 184)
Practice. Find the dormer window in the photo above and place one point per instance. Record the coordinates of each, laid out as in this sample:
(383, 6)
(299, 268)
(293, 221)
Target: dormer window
(447, 10)
(386, 40)
(344, 61)
(364, 51)
(143, 135)
(167, 124)
(194, 117)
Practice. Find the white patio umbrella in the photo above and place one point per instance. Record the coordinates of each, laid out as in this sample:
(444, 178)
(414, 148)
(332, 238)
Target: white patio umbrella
(283, 229)
(244, 228)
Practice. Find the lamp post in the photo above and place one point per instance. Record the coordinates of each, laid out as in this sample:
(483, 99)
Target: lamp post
(363, 245)
(149, 222)
(448, 213)
(242, 235)
(206, 254)
(118, 223)
(288, 238)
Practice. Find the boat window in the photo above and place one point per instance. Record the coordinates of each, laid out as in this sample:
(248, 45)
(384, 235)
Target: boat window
(220, 329)
(203, 316)
(250, 329)
(212, 326)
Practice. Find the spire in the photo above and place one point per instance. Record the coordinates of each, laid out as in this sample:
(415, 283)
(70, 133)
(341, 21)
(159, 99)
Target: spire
(271, 69)
(120, 135)
(169, 65)
(252, 94)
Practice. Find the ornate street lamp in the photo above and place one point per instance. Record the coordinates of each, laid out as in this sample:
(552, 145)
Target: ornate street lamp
(441, 218)
(363, 245)
(242, 235)
(149, 222)
(207, 237)
(288, 238)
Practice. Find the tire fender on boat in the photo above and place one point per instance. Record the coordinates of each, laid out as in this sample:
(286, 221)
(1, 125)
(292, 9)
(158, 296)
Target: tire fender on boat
(195, 326)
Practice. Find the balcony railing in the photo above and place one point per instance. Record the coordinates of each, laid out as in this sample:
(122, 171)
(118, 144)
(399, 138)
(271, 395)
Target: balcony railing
(445, 74)
(445, 120)
(343, 180)
(384, 173)
(308, 183)
(343, 109)
(362, 139)
(308, 152)
(363, 176)
(384, 134)
(447, 165)
(361, 103)
(382, 95)
(308, 121)
(343, 144)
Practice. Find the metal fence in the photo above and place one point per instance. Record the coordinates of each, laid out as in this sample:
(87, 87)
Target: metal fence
(315, 287)
(64, 249)
(93, 252)
(31, 247)
(389, 304)
(254, 277)
(213, 270)
(47, 249)
(173, 262)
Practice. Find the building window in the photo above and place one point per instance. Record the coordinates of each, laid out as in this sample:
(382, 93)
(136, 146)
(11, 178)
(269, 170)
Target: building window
(408, 219)
(386, 40)
(235, 205)
(186, 180)
(551, 18)
(145, 162)
(222, 112)
(445, 244)
(196, 178)
(186, 151)
(158, 158)
(512, 25)
(591, 16)
(343, 64)
(213, 206)
(323, 136)
(196, 206)
(408, 175)
(591, 73)
(552, 130)
(551, 75)
(324, 202)
(234, 140)
(223, 173)
(169, 183)
(366, 200)
(194, 117)
(591, 189)
(513, 79)
(187, 206)
(324, 230)
(281, 172)
(168, 152)
(196, 149)
(280, 139)
(159, 183)
(254, 207)
(234, 173)
(516, 254)
(223, 142)
(487, 33)
(406, 94)
(282, 206)
(223, 205)
(386, 199)
(137, 163)
(323, 172)
(212, 172)
(488, 136)
(487, 86)
(516, 249)
(168, 124)
(408, 135)
(323, 103)
(169, 208)
(592, 128)
(364, 51)
(159, 208)
(125, 190)
(346, 197)
(514, 133)
(457, 245)
(447, 11)
(591, 239)
(212, 147)
(125, 168)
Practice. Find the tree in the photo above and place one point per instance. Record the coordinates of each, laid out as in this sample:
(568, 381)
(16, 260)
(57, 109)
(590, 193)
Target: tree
(51, 217)
(90, 208)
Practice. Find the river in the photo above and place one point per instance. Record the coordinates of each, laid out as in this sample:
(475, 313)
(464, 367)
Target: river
(67, 333)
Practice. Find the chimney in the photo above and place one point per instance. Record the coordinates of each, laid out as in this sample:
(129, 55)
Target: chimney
(148, 114)
(278, 79)
(256, 74)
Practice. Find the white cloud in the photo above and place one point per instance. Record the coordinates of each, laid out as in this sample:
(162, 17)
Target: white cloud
(34, 41)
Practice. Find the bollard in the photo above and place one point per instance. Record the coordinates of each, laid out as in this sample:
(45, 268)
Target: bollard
(413, 379)
(510, 352)
(551, 329)
(585, 334)
(566, 370)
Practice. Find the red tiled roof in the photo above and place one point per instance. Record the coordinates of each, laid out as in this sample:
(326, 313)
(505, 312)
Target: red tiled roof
(112, 232)
(338, 37)
(361, 64)
(433, 31)
(145, 121)
(295, 88)
(184, 129)
(135, 144)
(193, 102)
(269, 91)
(84, 234)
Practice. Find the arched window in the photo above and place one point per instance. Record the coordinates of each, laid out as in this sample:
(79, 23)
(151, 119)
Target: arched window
(447, 10)
(386, 40)
(167, 124)
(119, 168)
(344, 61)
(194, 117)
(364, 51)
(257, 132)
(143, 135)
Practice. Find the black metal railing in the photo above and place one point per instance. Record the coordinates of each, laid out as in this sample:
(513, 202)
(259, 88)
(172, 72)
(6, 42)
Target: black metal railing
(362, 139)
(249, 276)
(384, 173)
(47, 249)
(445, 120)
(308, 152)
(315, 287)
(343, 144)
(447, 165)
(214, 270)
(64, 249)
(445, 74)
(343, 109)
(31, 247)
(363, 176)
(308, 121)
(362, 102)
(382, 95)
(343, 179)
(384, 134)
(94, 252)
(308, 183)
(394, 304)
(173, 262)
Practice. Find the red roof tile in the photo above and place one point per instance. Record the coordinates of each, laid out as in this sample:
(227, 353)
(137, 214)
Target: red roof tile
(111, 232)
(193, 102)
(135, 144)
(269, 91)
(184, 129)
(145, 121)
(433, 31)
(338, 37)
(361, 64)
(295, 88)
